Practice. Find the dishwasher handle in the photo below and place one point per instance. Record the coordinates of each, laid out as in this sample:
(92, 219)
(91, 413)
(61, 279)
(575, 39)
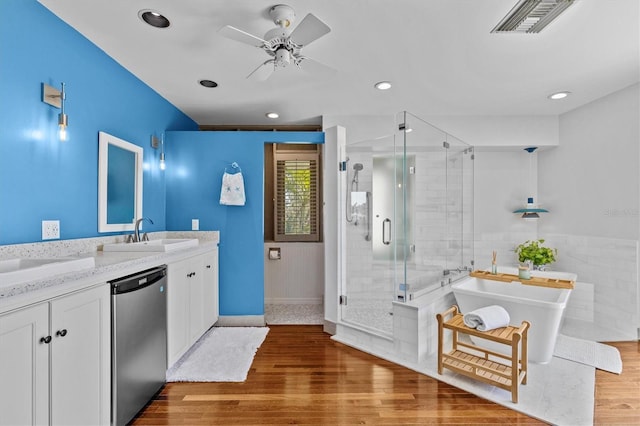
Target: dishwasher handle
(139, 280)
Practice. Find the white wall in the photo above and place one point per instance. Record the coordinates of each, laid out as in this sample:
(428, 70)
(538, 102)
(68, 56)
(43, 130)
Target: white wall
(334, 239)
(486, 131)
(500, 131)
(501, 185)
(591, 183)
(297, 277)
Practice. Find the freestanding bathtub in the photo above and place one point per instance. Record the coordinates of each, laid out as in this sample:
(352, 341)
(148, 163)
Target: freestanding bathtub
(541, 306)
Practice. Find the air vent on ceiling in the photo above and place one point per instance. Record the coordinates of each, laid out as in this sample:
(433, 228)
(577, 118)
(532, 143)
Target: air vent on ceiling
(531, 16)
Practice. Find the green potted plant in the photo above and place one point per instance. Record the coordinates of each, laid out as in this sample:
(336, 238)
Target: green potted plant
(534, 253)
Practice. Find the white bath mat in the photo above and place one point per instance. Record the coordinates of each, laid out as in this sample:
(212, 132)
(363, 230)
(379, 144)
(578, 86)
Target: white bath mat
(598, 355)
(223, 354)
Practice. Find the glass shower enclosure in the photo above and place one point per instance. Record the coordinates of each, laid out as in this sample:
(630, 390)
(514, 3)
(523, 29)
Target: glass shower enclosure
(409, 219)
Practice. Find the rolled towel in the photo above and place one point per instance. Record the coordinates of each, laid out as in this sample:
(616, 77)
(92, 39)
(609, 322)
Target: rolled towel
(487, 318)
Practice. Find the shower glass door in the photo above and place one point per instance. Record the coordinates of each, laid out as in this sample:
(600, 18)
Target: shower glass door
(373, 173)
(408, 213)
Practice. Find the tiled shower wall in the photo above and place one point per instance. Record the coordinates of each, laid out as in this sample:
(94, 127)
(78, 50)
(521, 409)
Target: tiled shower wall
(437, 223)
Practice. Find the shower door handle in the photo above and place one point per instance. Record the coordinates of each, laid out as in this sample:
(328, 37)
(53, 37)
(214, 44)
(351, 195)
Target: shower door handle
(386, 224)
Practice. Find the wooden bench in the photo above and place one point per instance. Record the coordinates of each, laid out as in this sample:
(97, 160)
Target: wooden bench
(507, 373)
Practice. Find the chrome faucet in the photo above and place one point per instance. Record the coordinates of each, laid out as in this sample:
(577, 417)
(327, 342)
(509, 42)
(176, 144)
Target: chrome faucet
(136, 232)
(458, 270)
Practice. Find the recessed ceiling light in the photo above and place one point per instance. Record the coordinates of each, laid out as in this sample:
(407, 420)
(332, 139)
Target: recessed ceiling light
(383, 85)
(153, 18)
(208, 83)
(558, 95)
(272, 115)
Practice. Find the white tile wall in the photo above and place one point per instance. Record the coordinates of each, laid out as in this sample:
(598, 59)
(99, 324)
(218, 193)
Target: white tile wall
(607, 295)
(611, 268)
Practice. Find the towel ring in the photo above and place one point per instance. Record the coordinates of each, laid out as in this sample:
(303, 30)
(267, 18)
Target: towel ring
(233, 168)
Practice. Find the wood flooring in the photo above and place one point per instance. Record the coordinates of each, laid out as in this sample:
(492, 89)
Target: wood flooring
(301, 376)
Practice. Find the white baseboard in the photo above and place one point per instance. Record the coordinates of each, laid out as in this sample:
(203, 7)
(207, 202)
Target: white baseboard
(241, 321)
(329, 327)
(290, 301)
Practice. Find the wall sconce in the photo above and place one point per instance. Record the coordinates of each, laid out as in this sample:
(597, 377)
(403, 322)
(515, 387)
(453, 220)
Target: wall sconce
(56, 98)
(162, 164)
(154, 145)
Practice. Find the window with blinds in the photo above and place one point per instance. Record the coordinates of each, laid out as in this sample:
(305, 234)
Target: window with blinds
(296, 197)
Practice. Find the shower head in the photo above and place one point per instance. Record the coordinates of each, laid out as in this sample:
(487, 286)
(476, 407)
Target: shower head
(357, 167)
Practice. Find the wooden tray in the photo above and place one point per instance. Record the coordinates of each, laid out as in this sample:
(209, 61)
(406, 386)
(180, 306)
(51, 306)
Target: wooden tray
(539, 281)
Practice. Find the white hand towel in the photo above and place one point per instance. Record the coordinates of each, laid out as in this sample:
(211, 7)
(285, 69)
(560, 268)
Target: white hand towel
(487, 318)
(232, 192)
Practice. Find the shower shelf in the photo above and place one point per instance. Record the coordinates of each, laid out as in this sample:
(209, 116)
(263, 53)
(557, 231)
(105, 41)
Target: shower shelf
(506, 374)
(538, 281)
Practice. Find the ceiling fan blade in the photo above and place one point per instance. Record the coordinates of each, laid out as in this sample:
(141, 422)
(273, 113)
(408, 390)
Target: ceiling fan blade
(242, 36)
(314, 67)
(310, 29)
(263, 72)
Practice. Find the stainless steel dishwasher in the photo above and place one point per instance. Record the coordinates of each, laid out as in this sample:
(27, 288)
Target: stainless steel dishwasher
(138, 341)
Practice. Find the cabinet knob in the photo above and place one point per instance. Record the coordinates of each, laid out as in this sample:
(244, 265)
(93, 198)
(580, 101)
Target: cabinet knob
(62, 332)
(46, 339)
(208, 266)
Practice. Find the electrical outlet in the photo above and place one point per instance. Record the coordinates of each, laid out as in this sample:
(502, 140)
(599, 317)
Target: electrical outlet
(195, 224)
(50, 229)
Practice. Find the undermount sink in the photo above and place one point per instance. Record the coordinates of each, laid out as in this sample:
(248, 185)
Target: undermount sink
(167, 244)
(14, 271)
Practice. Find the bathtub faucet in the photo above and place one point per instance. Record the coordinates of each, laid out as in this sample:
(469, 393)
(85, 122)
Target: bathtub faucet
(460, 269)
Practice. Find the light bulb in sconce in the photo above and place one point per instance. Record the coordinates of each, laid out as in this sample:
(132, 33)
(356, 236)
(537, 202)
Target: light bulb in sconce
(63, 119)
(62, 126)
(163, 165)
(56, 98)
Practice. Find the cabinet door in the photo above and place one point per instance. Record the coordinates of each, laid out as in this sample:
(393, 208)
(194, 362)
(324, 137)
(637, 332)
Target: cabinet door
(196, 297)
(177, 310)
(24, 366)
(210, 288)
(81, 358)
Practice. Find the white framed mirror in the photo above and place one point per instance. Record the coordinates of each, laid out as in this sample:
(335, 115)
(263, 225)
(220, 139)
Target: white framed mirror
(119, 184)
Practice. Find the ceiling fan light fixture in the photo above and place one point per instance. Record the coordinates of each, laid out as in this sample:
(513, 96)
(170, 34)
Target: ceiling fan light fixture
(282, 58)
(282, 15)
(154, 18)
(383, 85)
(272, 115)
(283, 44)
(558, 95)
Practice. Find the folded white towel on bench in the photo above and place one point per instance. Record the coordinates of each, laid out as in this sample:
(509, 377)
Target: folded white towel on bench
(487, 318)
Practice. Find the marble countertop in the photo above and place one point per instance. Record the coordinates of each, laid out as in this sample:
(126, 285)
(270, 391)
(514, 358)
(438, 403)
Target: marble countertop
(108, 266)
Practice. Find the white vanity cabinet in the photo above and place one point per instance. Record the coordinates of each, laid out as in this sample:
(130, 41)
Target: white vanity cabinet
(55, 360)
(192, 301)
(24, 367)
(211, 298)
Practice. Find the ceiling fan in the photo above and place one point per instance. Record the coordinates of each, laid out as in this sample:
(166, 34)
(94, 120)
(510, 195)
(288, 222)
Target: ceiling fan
(283, 44)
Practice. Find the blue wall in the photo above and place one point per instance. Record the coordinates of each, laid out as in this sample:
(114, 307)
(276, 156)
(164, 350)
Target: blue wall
(195, 164)
(42, 178)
